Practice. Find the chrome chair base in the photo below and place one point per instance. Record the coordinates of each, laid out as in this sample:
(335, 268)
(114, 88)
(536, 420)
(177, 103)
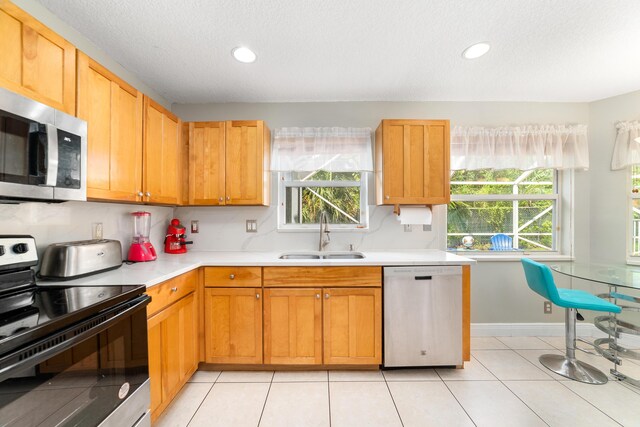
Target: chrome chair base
(573, 369)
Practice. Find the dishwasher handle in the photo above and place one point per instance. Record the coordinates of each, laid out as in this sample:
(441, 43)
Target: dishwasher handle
(422, 277)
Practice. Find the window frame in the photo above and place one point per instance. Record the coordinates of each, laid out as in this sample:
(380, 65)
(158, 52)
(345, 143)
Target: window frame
(632, 258)
(284, 183)
(559, 199)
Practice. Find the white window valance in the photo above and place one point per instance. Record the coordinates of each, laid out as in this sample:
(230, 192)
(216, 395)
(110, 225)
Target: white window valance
(525, 147)
(332, 149)
(626, 151)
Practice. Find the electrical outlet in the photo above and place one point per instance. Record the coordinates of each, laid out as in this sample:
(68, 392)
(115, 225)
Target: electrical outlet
(407, 228)
(426, 227)
(97, 231)
(547, 307)
(252, 226)
(195, 226)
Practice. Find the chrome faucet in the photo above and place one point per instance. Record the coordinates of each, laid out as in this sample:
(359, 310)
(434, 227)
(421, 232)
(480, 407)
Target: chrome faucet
(324, 231)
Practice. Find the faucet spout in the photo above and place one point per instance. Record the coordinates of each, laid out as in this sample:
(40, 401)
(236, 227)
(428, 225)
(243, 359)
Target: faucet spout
(324, 231)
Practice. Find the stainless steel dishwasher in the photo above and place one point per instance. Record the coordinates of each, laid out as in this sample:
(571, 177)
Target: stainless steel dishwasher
(422, 316)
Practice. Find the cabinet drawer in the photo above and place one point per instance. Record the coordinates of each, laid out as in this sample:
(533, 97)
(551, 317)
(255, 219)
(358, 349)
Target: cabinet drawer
(322, 276)
(166, 293)
(233, 277)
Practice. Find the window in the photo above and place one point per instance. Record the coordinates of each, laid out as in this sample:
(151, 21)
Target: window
(304, 195)
(523, 205)
(634, 204)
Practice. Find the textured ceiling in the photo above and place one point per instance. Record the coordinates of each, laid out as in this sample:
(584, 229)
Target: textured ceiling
(368, 50)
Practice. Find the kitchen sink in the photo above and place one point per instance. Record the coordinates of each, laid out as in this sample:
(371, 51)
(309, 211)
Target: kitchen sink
(322, 255)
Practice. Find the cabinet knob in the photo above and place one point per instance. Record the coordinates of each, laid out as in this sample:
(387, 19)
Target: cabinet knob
(148, 194)
(257, 296)
(232, 276)
(317, 296)
(386, 197)
(140, 194)
(174, 289)
(326, 296)
(228, 198)
(221, 199)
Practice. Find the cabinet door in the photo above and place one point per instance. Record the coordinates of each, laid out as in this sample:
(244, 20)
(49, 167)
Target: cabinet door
(352, 326)
(161, 170)
(233, 325)
(188, 346)
(113, 111)
(206, 163)
(247, 163)
(154, 340)
(293, 326)
(413, 162)
(36, 62)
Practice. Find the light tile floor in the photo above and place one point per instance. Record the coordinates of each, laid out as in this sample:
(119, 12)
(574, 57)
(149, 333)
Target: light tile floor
(502, 385)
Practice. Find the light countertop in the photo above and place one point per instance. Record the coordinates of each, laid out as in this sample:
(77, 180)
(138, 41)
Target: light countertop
(169, 266)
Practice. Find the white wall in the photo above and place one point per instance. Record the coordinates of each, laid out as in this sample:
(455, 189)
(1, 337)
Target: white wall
(609, 189)
(499, 292)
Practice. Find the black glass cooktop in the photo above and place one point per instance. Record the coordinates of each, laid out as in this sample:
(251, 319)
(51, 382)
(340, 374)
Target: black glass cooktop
(31, 313)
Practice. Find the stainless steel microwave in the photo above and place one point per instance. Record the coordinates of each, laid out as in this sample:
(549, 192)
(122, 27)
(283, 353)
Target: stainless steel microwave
(43, 151)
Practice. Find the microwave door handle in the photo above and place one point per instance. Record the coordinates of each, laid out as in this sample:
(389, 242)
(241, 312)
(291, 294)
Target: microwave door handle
(52, 156)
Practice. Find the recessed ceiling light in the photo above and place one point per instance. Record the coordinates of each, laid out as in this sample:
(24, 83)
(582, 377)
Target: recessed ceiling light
(244, 54)
(476, 50)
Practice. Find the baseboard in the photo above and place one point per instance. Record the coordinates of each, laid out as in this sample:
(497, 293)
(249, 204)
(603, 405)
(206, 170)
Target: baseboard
(544, 330)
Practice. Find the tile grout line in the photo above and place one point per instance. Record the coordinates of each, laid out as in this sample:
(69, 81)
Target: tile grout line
(510, 391)
(329, 397)
(598, 409)
(200, 405)
(454, 396)
(392, 399)
(273, 374)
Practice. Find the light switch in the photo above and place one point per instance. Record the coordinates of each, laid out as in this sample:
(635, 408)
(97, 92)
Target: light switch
(252, 226)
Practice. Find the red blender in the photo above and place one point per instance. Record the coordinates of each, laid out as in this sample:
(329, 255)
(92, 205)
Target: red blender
(175, 241)
(141, 249)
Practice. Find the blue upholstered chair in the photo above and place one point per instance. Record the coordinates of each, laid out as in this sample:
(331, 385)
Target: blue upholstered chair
(501, 242)
(540, 280)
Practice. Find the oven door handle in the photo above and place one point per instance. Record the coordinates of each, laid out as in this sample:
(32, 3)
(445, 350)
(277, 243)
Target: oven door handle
(45, 348)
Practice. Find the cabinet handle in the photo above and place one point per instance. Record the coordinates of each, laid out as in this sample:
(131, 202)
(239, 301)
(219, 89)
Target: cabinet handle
(148, 194)
(257, 296)
(326, 296)
(317, 296)
(232, 276)
(174, 289)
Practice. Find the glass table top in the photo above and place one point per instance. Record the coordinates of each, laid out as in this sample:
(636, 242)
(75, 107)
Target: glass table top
(626, 276)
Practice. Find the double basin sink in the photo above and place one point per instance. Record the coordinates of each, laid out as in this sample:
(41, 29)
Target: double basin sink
(322, 255)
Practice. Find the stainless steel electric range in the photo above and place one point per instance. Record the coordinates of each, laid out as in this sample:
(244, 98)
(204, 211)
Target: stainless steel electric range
(73, 355)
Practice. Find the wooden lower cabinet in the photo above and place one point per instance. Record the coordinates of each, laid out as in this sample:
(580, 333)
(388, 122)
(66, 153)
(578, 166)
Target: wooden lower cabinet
(233, 325)
(173, 357)
(293, 326)
(352, 326)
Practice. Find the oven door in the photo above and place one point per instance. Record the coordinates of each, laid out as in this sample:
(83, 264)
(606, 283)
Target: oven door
(93, 373)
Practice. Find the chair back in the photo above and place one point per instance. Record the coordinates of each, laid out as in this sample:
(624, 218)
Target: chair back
(501, 242)
(540, 279)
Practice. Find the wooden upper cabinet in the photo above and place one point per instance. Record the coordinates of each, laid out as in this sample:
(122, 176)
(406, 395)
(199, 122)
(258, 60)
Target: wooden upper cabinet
(352, 326)
(293, 326)
(162, 171)
(412, 162)
(206, 163)
(113, 111)
(247, 166)
(36, 62)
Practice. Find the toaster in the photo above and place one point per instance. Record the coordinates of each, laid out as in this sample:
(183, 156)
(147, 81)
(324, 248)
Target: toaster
(70, 260)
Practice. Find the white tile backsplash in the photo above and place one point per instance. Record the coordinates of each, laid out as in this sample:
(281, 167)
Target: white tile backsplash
(69, 221)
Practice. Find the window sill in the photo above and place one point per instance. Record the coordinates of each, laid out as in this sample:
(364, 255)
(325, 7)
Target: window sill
(631, 261)
(316, 230)
(512, 256)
